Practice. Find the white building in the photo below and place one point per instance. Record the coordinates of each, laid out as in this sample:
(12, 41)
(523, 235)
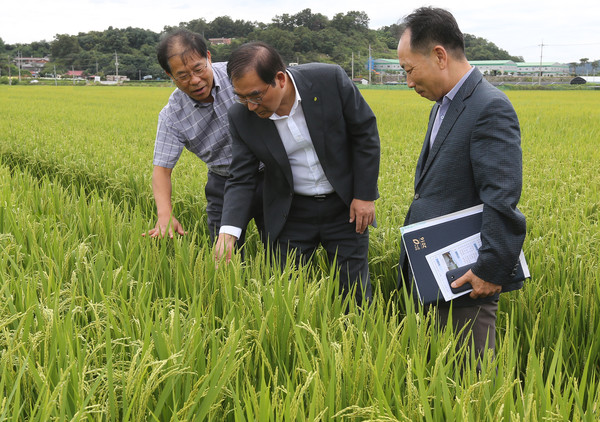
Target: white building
(490, 67)
(547, 69)
(495, 67)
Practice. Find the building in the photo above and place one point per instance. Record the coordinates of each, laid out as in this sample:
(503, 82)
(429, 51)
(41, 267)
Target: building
(489, 67)
(115, 78)
(218, 41)
(387, 65)
(592, 79)
(547, 69)
(495, 67)
(31, 64)
(76, 74)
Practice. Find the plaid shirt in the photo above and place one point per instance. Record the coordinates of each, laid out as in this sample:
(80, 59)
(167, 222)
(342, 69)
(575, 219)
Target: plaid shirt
(202, 128)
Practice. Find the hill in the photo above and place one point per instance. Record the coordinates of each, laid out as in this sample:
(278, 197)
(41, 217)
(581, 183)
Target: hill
(301, 37)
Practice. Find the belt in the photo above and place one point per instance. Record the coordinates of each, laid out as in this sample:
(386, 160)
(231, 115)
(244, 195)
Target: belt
(320, 197)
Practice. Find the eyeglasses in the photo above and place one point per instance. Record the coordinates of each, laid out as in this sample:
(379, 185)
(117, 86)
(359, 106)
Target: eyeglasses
(198, 72)
(256, 99)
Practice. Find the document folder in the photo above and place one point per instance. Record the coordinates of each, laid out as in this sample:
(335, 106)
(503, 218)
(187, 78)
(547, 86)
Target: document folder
(442, 249)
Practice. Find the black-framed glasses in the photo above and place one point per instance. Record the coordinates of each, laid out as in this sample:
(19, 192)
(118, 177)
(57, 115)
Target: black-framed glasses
(255, 99)
(198, 72)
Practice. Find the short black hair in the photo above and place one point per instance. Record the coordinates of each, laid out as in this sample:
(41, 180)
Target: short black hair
(430, 26)
(190, 41)
(257, 56)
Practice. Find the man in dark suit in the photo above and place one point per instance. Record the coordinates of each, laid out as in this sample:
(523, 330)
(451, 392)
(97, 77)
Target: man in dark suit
(471, 155)
(319, 143)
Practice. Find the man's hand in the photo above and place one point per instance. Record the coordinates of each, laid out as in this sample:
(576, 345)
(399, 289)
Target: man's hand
(163, 226)
(161, 187)
(481, 288)
(224, 248)
(363, 212)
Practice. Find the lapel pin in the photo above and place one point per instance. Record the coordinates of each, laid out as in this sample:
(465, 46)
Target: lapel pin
(315, 100)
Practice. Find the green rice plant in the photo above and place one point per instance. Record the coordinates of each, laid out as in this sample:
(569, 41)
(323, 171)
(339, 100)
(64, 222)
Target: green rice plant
(98, 323)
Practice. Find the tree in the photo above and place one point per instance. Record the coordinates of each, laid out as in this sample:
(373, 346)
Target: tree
(137, 37)
(327, 39)
(199, 26)
(301, 37)
(285, 22)
(390, 35)
(282, 41)
(304, 39)
(311, 21)
(350, 22)
(584, 63)
(226, 27)
(115, 40)
(477, 48)
(221, 52)
(65, 48)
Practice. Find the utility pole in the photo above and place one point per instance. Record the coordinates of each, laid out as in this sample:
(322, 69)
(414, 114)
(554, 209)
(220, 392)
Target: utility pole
(370, 64)
(55, 83)
(73, 70)
(353, 65)
(117, 66)
(541, 53)
(140, 75)
(19, 59)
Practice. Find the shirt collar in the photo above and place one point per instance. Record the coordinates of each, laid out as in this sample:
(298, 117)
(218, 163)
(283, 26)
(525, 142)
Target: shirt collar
(297, 101)
(450, 95)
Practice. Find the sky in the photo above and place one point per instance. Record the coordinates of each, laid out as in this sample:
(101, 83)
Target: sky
(567, 31)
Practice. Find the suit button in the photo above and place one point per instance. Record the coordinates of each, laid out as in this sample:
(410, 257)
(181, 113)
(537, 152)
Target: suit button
(417, 196)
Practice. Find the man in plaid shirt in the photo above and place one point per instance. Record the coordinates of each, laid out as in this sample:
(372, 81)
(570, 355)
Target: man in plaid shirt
(195, 118)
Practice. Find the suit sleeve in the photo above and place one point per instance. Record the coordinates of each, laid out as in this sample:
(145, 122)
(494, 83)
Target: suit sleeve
(496, 160)
(364, 138)
(242, 181)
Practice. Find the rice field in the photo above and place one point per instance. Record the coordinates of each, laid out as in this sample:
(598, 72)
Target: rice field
(98, 323)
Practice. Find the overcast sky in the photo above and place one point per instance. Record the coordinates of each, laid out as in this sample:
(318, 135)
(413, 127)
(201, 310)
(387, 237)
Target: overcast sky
(569, 30)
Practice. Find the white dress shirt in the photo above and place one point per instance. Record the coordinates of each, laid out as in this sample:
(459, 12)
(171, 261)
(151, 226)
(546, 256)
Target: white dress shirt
(307, 172)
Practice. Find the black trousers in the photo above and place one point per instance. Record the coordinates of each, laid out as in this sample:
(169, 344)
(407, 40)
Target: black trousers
(214, 191)
(313, 221)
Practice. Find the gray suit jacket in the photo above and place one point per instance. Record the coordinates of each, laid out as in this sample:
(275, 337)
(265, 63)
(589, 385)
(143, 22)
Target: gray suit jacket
(476, 158)
(344, 133)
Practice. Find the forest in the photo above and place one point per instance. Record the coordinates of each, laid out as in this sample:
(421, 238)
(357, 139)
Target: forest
(302, 37)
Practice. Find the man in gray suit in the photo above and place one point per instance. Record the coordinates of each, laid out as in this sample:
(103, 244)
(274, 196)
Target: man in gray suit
(319, 143)
(471, 155)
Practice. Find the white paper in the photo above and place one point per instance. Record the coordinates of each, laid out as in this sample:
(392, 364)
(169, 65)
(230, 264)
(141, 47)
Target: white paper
(459, 254)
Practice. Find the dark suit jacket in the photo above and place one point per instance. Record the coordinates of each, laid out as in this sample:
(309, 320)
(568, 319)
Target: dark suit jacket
(476, 158)
(344, 133)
